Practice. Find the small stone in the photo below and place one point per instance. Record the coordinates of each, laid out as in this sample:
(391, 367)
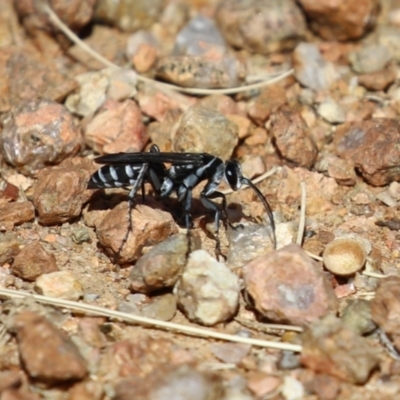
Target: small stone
(207, 292)
(33, 261)
(61, 191)
(198, 129)
(332, 112)
(37, 134)
(379, 80)
(162, 266)
(122, 85)
(40, 341)
(287, 286)
(87, 390)
(292, 389)
(129, 15)
(373, 146)
(149, 227)
(15, 213)
(91, 94)
(145, 58)
(293, 138)
(341, 20)
(342, 170)
(385, 308)
(389, 36)
(231, 353)
(311, 69)
(182, 382)
(161, 307)
(60, 284)
(201, 72)
(268, 102)
(117, 127)
(262, 384)
(371, 58)
(199, 37)
(261, 26)
(330, 347)
(344, 256)
(358, 317)
(9, 247)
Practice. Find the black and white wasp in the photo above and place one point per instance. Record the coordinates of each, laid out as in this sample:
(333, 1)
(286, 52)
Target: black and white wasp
(185, 172)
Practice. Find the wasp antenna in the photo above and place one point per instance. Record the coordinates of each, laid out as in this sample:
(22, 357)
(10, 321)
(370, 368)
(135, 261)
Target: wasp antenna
(267, 207)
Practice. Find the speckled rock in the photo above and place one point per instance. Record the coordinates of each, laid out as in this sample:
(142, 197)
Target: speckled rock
(330, 347)
(287, 286)
(117, 127)
(201, 72)
(341, 20)
(358, 316)
(205, 130)
(373, 146)
(40, 341)
(61, 191)
(293, 138)
(261, 26)
(162, 266)
(37, 134)
(32, 261)
(207, 292)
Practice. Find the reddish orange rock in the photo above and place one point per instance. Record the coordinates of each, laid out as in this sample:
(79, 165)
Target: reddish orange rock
(48, 354)
(33, 261)
(16, 213)
(341, 19)
(287, 286)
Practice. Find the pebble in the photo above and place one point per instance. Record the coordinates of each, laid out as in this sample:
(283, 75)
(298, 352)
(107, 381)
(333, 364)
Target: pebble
(261, 26)
(287, 286)
(341, 20)
(161, 307)
(39, 133)
(344, 256)
(142, 50)
(33, 261)
(91, 94)
(162, 266)
(230, 353)
(87, 390)
(129, 15)
(332, 112)
(385, 308)
(342, 170)
(198, 129)
(379, 80)
(117, 127)
(247, 242)
(293, 138)
(269, 101)
(292, 389)
(358, 317)
(370, 58)
(389, 36)
(262, 384)
(311, 69)
(122, 85)
(200, 37)
(61, 191)
(373, 146)
(59, 284)
(40, 341)
(15, 213)
(207, 292)
(149, 227)
(183, 382)
(9, 247)
(330, 347)
(201, 72)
